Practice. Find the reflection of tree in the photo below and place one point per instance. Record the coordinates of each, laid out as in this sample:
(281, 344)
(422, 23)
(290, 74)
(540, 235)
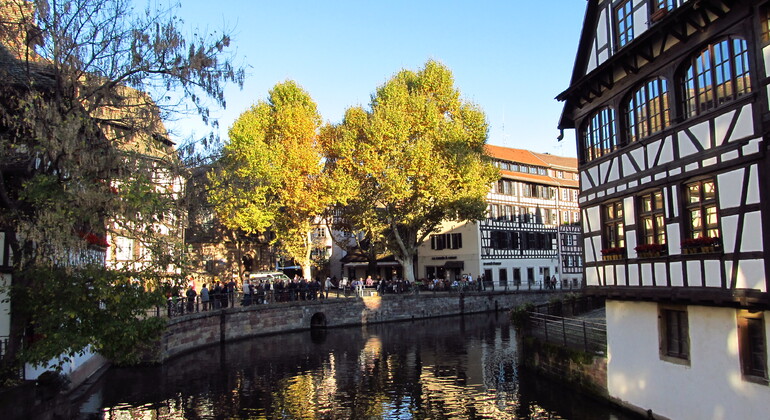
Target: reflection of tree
(430, 369)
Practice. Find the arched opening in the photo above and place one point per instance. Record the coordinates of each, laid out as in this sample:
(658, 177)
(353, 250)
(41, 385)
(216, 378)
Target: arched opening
(318, 320)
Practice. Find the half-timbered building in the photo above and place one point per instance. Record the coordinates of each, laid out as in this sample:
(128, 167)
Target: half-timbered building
(531, 208)
(669, 100)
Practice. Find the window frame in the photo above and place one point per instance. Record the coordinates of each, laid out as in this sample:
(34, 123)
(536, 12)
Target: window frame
(623, 14)
(701, 92)
(671, 335)
(647, 110)
(613, 225)
(702, 205)
(657, 216)
(599, 134)
(753, 360)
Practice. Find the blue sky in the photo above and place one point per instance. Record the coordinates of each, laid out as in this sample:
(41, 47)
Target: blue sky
(509, 57)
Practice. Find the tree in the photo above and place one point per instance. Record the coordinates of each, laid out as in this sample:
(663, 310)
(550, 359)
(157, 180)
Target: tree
(269, 175)
(418, 157)
(84, 156)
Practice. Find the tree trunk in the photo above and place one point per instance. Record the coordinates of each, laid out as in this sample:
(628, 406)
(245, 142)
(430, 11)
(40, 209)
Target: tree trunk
(407, 264)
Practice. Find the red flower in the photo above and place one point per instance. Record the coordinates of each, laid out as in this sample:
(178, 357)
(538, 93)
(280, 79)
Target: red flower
(94, 239)
(650, 248)
(700, 242)
(613, 251)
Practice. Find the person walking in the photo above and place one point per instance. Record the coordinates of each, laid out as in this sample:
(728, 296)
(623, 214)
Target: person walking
(327, 286)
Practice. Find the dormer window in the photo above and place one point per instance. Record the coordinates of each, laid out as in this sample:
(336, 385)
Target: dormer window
(647, 111)
(599, 135)
(624, 23)
(718, 74)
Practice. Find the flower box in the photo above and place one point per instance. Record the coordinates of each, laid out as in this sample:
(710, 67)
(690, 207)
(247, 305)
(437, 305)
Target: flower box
(613, 254)
(650, 250)
(701, 245)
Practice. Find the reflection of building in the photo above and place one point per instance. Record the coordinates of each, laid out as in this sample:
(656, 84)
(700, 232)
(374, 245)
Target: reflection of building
(670, 103)
(532, 204)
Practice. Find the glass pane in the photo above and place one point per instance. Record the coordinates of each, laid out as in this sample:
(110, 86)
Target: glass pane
(658, 200)
(647, 204)
(693, 193)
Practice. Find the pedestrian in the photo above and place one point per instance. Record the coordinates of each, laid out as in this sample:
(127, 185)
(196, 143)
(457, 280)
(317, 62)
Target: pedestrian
(247, 294)
(327, 286)
(217, 296)
(191, 294)
(205, 297)
(231, 292)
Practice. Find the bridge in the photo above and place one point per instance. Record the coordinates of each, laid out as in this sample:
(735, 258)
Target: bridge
(200, 329)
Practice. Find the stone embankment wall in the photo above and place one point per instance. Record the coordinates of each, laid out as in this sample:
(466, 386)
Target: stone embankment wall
(585, 371)
(202, 329)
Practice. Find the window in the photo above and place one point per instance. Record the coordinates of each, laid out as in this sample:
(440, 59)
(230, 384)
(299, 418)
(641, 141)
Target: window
(124, 248)
(614, 235)
(647, 112)
(753, 345)
(651, 221)
(446, 241)
(503, 239)
(764, 20)
(662, 4)
(494, 211)
(720, 73)
(702, 219)
(624, 23)
(599, 136)
(674, 334)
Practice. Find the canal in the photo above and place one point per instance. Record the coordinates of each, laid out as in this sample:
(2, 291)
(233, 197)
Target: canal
(442, 368)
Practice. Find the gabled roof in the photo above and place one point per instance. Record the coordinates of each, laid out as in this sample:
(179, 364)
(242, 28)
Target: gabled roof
(581, 58)
(527, 157)
(532, 158)
(514, 155)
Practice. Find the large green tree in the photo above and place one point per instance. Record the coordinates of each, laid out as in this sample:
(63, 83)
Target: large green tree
(416, 157)
(84, 156)
(269, 176)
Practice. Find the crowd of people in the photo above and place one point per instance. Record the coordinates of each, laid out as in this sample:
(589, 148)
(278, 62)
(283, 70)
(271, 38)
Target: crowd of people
(257, 292)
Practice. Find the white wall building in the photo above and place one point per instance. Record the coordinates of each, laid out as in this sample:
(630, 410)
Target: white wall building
(670, 103)
(518, 243)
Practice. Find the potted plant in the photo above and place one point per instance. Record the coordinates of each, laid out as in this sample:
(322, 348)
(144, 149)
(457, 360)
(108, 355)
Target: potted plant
(612, 254)
(650, 250)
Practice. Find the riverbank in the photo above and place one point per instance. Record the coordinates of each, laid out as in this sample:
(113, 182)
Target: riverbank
(198, 330)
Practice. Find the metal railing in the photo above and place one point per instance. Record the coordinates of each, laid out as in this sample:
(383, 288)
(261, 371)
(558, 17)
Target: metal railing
(176, 306)
(589, 336)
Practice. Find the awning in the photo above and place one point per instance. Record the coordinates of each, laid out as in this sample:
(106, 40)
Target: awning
(455, 264)
(363, 264)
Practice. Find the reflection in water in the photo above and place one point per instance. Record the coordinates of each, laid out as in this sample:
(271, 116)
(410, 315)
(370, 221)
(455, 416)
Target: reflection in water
(447, 368)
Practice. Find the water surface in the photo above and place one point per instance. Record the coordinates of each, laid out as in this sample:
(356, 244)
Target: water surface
(443, 368)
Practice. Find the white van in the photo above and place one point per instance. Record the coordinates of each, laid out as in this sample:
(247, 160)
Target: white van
(271, 277)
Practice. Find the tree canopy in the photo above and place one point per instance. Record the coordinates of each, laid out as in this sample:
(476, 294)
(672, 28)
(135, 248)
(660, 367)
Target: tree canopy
(414, 159)
(84, 157)
(270, 173)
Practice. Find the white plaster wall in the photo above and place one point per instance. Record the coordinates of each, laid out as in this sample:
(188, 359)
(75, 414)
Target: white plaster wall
(31, 372)
(470, 253)
(711, 387)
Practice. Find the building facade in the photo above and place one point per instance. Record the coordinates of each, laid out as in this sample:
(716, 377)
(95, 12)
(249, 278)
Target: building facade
(529, 232)
(669, 100)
